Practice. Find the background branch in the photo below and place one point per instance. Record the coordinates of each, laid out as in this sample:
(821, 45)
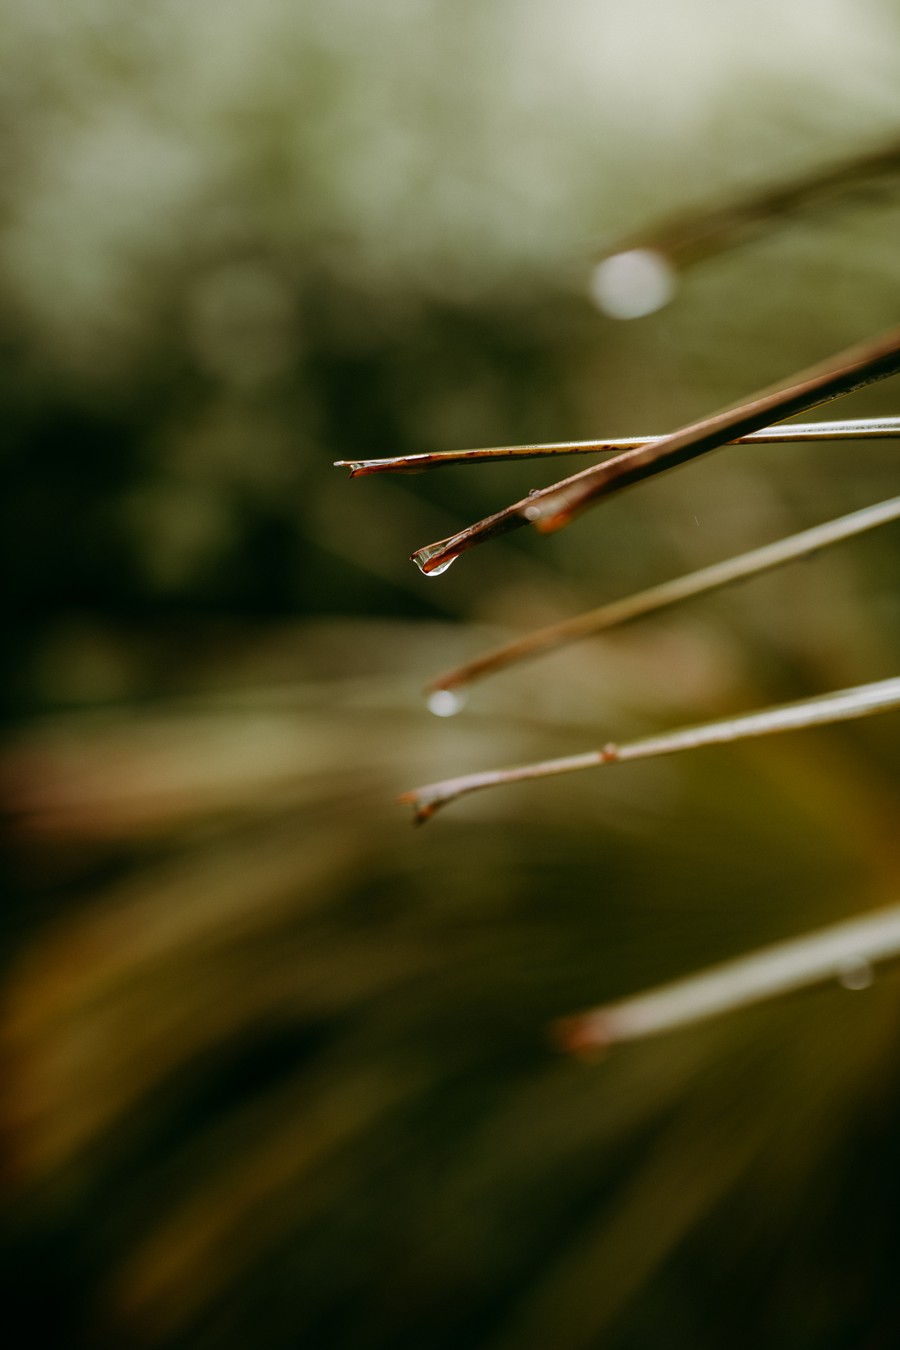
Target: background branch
(844, 952)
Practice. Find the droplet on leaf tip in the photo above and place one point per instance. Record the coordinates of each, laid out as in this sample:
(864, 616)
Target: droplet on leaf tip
(856, 973)
(631, 284)
(444, 702)
(423, 557)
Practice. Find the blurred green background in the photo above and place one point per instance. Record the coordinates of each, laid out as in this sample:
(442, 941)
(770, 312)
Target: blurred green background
(276, 1068)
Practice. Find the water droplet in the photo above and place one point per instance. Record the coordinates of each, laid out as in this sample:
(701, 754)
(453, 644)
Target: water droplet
(441, 567)
(423, 557)
(632, 284)
(532, 512)
(855, 973)
(445, 702)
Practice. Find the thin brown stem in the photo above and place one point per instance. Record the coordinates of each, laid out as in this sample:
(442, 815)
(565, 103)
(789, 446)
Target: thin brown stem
(839, 706)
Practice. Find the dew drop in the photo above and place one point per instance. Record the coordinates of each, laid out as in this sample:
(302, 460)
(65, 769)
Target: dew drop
(632, 284)
(445, 702)
(423, 557)
(441, 567)
(856, 973)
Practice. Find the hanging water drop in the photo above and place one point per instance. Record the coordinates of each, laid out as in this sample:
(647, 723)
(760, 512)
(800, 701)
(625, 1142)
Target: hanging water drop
(631, 284)
(855, 973)
(441, 567)
(422, 559)
(445, 702)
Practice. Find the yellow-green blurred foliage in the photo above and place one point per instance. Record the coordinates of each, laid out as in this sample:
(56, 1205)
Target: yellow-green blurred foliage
(276, 1071)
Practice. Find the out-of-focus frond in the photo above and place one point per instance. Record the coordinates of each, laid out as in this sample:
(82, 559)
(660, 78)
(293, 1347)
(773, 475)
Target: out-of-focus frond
(846, 952)
(637, 274)
(272, 1042)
